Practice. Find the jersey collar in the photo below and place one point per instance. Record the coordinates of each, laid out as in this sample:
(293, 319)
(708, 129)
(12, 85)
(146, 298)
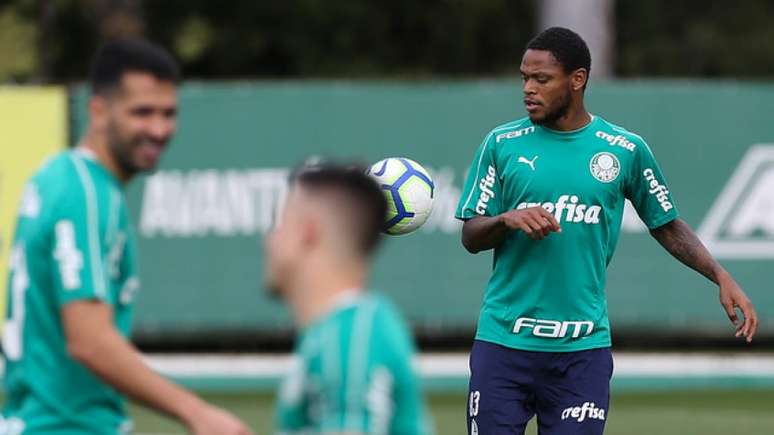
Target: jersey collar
(89, 155)
(571, 132)
(86, 153)
(346, 299)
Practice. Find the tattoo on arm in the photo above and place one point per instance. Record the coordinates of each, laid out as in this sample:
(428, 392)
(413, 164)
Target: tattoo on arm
(680, 240)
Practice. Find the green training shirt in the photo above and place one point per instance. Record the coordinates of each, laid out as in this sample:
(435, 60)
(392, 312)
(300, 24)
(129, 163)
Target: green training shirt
(549, 295)
(73, 242)
(352, 372)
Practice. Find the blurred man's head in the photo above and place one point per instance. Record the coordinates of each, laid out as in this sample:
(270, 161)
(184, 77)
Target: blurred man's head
(330, 226)
(555, 69)
(133, 108)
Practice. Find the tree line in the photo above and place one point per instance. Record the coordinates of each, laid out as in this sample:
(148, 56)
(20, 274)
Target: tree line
(52, 40)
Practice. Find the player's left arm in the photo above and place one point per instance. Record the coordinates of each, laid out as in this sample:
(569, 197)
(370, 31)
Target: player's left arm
(647, 188)
(679, 239)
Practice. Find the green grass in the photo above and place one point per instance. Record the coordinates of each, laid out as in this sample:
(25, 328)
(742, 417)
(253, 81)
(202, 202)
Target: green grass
(663, 413)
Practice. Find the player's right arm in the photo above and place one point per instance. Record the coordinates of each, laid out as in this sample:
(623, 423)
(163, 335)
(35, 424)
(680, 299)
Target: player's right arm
(94, 342)
(483, 232)
(85, 302)
(486, 224)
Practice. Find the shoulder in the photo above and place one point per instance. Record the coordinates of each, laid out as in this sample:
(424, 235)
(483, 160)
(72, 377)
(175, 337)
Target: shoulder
(510, 130)
(70, 183)
(390, 326)
(54, 167)
(619, 136)
(511, 125)
(385, 308)
(56, 179)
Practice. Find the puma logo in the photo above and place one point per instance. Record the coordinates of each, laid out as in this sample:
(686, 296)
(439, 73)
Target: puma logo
(531, 163)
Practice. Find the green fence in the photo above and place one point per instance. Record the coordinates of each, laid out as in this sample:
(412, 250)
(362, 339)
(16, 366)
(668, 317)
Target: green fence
(201, 218)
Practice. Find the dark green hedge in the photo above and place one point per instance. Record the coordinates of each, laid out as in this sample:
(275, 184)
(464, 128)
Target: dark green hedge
(408, 38)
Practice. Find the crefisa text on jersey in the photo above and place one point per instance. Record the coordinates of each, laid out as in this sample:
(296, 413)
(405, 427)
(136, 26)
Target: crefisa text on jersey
(487, 193)
(658, 189)
(619, 140)
(576, 212)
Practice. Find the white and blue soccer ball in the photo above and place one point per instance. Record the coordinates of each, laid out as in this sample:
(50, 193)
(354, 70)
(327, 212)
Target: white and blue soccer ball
(409, 191)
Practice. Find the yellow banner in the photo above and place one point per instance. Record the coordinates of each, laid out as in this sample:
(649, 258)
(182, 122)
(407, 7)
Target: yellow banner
(33, 126)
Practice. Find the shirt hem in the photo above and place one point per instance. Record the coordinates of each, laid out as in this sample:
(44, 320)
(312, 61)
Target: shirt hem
(552, 349)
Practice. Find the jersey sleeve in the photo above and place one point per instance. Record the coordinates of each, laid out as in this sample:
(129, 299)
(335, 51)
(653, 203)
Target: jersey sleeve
(78, 266)
(482, 193)
(647, 189)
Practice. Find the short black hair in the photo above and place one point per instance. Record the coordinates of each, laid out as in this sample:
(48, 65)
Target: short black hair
(367, 204)
(115, 58)
(569, 49)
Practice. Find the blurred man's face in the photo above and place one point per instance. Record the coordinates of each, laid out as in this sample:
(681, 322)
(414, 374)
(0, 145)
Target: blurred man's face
(140, 119)
(285, 247)
(547, 87)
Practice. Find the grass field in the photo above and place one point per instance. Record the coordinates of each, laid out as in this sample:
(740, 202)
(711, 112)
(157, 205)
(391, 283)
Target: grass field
(664, 413)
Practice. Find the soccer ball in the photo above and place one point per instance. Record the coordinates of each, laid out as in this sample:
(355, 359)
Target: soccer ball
(409, 190)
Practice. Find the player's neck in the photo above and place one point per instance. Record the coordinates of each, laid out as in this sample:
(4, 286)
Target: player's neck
(577, 117)
(99, 148)
(317, 306)
(321, 293)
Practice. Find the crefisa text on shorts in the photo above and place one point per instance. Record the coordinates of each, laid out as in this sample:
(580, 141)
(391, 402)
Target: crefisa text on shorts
(588, 410)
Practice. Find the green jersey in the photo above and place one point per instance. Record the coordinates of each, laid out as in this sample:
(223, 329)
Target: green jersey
(352, 372)
(73, 242)
(548, 295)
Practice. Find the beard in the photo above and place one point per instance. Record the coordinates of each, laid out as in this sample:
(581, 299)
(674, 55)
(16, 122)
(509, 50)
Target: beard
(121, 149)
(277, 280)
(274, 290)
(559, 110)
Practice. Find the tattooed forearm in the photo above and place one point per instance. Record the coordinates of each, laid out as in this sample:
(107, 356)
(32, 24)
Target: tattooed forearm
(680, 240)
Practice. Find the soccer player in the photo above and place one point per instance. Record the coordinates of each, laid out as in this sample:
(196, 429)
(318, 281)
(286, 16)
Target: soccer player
(352, 370)
(73, 280)
(547, 193)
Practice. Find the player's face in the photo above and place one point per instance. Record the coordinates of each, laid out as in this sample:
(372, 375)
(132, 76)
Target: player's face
(284, 245)
(547, 87)
(141, 119)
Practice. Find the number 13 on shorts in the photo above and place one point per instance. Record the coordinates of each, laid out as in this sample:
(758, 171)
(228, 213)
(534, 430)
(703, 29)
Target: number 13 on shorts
(473, 402)
(475, 397)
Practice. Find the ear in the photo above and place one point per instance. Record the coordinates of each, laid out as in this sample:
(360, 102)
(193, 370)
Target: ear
(311, 231)
(578, 79)
(98, 111)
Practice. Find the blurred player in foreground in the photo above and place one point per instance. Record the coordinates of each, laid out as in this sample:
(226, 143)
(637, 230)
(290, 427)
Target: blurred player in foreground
(547, 192)
(73, 280)
(352, 371)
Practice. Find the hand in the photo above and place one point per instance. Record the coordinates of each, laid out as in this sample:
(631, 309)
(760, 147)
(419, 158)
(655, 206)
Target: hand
(731, 298)
(536, 222)
(215, 421)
